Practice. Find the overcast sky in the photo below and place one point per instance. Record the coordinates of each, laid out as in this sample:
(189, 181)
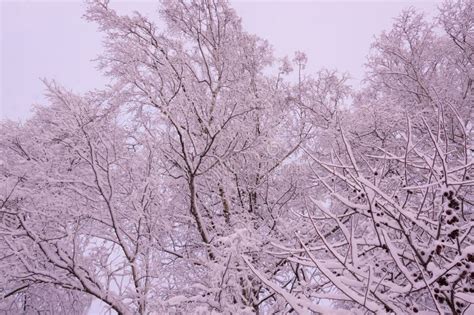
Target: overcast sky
(48, 39)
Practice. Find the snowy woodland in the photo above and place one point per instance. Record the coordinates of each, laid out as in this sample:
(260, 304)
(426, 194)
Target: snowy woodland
(212, 177)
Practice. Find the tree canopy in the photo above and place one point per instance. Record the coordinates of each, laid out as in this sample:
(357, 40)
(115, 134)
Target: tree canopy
(197, 182)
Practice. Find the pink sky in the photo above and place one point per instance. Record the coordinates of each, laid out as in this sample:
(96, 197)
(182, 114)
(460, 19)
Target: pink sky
(50, 40)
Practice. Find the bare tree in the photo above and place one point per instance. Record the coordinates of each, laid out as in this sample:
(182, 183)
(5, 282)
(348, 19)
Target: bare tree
(197, 182)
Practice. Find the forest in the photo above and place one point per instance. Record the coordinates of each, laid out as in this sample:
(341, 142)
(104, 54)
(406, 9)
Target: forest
(212, 177)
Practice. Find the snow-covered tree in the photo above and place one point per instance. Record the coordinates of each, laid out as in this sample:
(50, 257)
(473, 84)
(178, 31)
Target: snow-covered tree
(198, 182)
(390, 210)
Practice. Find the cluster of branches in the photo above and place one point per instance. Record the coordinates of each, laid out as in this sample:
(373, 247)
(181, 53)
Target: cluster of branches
(198, 182)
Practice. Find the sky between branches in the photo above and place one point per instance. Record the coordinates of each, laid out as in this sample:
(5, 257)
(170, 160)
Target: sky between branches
(48, 39)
